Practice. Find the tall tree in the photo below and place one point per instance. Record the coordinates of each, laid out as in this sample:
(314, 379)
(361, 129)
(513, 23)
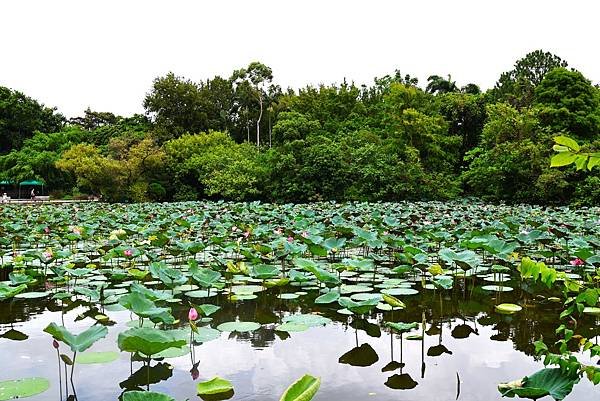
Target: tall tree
(517, 86)
(176, 107)
(439, 85)
(252, 83)
(568, 102)
(21, 116)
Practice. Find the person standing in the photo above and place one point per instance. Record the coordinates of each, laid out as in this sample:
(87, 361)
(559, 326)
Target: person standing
(33, 194)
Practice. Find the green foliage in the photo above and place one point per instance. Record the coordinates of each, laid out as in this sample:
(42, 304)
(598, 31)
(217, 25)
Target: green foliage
(517, 86)
(511, 162)
(21, 116)
(568, 102)
(388, 141)
(303, 389)
(569, 152)
(79, 342)
(216, 165)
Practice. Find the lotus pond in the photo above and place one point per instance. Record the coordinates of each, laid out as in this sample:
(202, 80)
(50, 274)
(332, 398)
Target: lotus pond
(325, 301)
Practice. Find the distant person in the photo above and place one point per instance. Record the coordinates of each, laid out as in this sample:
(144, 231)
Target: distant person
(4, 198)
(33, 194)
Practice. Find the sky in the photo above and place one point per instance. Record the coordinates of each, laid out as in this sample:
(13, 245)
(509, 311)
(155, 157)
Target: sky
(104, 54)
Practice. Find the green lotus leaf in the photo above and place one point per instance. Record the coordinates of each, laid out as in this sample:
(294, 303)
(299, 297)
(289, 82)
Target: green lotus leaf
(146, 396)
(360, 307)
(552, 382)
(238, 326)
(32, 295)
(328, 298)
(309, 320)
(208, 309)
(22, 388)
(7, 291)
(303, 389)
(402, 327)
(79, 342)
(148, 341)
(292, 327)
(215, 385)
(508, 308)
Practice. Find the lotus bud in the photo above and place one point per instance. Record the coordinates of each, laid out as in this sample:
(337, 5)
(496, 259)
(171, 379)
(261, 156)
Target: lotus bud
(193, 314)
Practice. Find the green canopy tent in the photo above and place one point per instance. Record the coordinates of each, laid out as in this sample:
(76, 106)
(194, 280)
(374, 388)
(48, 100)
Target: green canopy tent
(31, 183)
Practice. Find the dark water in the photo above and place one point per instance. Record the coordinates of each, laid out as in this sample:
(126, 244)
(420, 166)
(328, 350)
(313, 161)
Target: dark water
(466, 350)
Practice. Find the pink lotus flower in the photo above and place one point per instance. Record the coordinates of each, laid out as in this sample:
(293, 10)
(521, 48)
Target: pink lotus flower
(47, 255)
(193, 314)
(55, 344)
(290, 239)
(128, 253)
(304, 234)
(246, 234)
(577, 262)
(47, 230)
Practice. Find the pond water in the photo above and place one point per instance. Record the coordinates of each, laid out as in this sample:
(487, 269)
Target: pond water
(460, 349)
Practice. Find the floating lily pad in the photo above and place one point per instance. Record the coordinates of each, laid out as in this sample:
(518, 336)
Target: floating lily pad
(508, 308)
(246, 289)
(206, 334)
(292, 327)
(87, 358)
(238, 326)
(200, 294)
(32, 295)
(309, 320)
(363, 296)
(400, 291)
(288, 296)
(497, 288)
(590, 310)
(21, 388)
(350, 288)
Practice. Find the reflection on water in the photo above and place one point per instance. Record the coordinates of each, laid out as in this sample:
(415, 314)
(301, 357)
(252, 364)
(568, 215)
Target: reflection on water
(464, 349)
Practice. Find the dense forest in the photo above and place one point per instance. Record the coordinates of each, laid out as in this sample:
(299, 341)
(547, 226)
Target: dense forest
(245, 138)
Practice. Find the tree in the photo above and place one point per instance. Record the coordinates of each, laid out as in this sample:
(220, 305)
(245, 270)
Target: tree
(175, 106)
(212, 164)
(511, 162)
(251, 82)
(517, 86)
(439, 85)
(21, 116)
(292, 126)
(94, 119)
(37, 157)
(122, 175)
(569, 103)
(466, 115)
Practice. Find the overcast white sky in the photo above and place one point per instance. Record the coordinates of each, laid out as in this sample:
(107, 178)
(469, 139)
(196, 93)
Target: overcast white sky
(105, 53)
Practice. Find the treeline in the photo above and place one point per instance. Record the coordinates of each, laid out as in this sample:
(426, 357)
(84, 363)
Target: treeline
(244, 138)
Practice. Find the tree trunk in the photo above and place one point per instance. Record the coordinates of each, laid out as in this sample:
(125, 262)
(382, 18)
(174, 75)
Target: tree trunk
(258, 121)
